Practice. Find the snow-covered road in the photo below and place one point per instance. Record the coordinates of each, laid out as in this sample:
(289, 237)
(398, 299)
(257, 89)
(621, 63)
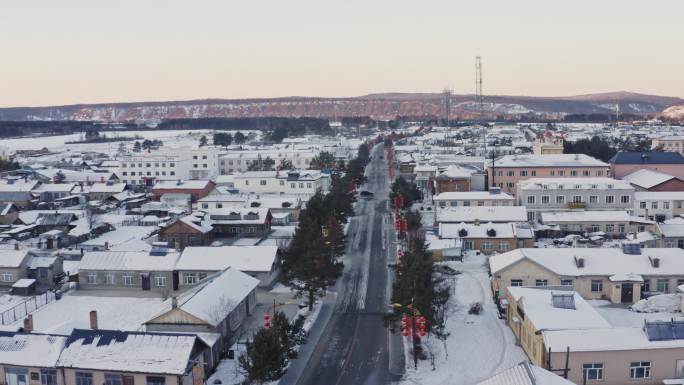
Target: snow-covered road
(479, 345)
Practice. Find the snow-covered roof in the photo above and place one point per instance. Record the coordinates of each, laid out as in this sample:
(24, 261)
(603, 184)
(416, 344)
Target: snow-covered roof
(671, 230)
(12, 258)
(605, 339)
(243, 258)
(549, 160)
(55, 187)
(570, 183)
(18, 186)
(472, 195)
(597, 261)
(24, 283)
(30, 350)
(181, 185)
(587, 216)
(647, 178)
(107, 187)
(454, 171)
(121, 235)
(128, 261)
(483, 214)
(484, 230)
(658, 195)
(525, 373)
(161, 353)
(37, 262)
(539, 309)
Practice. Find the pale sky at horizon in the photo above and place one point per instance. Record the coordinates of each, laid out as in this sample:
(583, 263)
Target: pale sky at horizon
(96, 51)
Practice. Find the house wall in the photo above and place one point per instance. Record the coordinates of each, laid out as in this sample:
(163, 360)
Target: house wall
(17, 274)
(195, 193)
(447, 185)
(621, 170)
(670, 185)
(118, 280)
(616, 365)
(509, 244)
(524, 331)
(99, 377)
(538, 207)
(610, 228)
(502, 175)
(473, 202)
(30, 370)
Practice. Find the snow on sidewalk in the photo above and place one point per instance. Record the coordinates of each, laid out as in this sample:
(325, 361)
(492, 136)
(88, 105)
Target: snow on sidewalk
(478, 346)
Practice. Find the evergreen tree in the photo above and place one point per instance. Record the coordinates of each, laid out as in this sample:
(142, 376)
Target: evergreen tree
(266, 357)
(137, 147)
(239, 138)
(261, 165)
(203, 141)
(286, 164)
(407, 190)
(291, 334)
(223, 139)
(323, 160)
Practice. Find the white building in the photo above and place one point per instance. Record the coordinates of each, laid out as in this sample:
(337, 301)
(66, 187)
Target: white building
(235, 161)
(169, 164)
(658, 205)
(282, 182)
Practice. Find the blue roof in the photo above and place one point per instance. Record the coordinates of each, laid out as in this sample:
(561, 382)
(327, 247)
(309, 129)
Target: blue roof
(647, 157)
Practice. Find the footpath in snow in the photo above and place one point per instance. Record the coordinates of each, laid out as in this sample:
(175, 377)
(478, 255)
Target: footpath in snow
(478, 346)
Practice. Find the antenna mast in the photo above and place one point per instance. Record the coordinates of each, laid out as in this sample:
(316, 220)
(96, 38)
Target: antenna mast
(446, 100)
(479, 98)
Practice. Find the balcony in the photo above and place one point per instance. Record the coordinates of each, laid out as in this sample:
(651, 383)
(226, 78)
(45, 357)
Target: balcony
(577, 205)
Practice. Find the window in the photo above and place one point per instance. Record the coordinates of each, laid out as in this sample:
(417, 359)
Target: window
(148, 165)
(487, 245)
(204, 165)
(293, 185)
(124, 173)
(504, 245)
(308, 185)
(84, 378)
(262, 182)
(189, 278)
(595, 228)
(530, 200)
(204, 157)
(596, 285)
(172, 173)
(610, 199)
(663, 285)
(545, 199)
(153, 380)
(516, 282)
(553, 173)
(530, 215)
(156, 165)
(566, 282)
(541, 282)
(160, 280)
(219, 205)
(194, 157)
(624, 199)
(586, 173)
(593, 199)
(593, 371)
(109, 278)
(205, 205)
(127, 279)
(149, 173)
(640, 369)
(654, 205)
(646, 286)
(599, 172)
(642, 205)
(112, 379)
(163, 164)
(511, 173)
(172, 164)
(577, 199)
(523, 172)
(534, 172)
(561, 172)
(666, 205)
(6, 276)
(610, 228)
(560, 199)
(282, 183)
(48, 377)
(466, 203)
(301, 185)
(621, 228)
(573, 172)
(92, 278)
(194, 165)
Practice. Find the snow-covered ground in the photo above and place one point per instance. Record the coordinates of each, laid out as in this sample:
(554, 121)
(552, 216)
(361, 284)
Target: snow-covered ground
(619, 316)
(478, 345)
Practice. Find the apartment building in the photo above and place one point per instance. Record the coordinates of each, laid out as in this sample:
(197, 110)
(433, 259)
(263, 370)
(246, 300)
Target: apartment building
(562, 194)
(493, 197)
(234, 161)
(282, 182)
(507, 171)
(657, 205)
(670, 143)
(615, 224)
(649, 180)
(625, 163)
(617, 275)
(169, 164)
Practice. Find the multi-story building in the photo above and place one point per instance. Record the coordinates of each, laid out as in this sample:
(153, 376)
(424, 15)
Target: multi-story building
(488, 237)
(169, 164)
(657, 205)
(493, 197)
(562, 194)
(282, 182)
(625, 163)
(234, 161)
(673, 143)
(507, 171)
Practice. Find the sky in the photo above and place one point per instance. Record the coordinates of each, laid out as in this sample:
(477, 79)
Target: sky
(97, 51)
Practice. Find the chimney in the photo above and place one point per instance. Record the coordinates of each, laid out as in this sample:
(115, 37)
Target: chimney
(174, 302)
(93, 319)
(106, 245)
(28, 324)
(476, 222)
(16, 246)
(579, 262)
(655, 262)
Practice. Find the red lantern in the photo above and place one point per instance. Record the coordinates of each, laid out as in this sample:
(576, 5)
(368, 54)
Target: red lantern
(267, 321)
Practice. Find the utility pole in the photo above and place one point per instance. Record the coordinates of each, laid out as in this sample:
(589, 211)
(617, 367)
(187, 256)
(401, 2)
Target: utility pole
(446, 100)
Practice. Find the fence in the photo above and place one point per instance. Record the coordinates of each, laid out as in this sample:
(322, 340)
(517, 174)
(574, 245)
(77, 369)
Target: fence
(21, 310)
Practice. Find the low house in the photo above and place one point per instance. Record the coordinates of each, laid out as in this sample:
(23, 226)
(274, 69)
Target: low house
(260, 262)
(45, 269)
(13, 265)
(458, 178)
(197, 189)
(30, 358)
(649, 180)
(48, 192)
(525, 373)
(116, 237)
(126, 357)
(482, 214)
(618, 275)
(8, 213)
(129, 270)
(488, 237)
(103, 191)
(219, 304)
(191, 230)
(442, 249)
(17, 192)
(240, 222)
(613, 223)
(47, 221)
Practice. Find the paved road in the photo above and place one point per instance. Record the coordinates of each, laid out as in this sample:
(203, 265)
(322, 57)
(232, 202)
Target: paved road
(353, 348)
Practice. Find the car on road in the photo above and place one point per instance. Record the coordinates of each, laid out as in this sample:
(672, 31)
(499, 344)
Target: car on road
(366, 194)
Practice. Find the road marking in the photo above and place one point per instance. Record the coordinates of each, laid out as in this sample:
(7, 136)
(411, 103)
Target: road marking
(349, 353)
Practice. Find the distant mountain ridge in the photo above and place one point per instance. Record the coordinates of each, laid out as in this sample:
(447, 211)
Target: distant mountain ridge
(379, 106)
